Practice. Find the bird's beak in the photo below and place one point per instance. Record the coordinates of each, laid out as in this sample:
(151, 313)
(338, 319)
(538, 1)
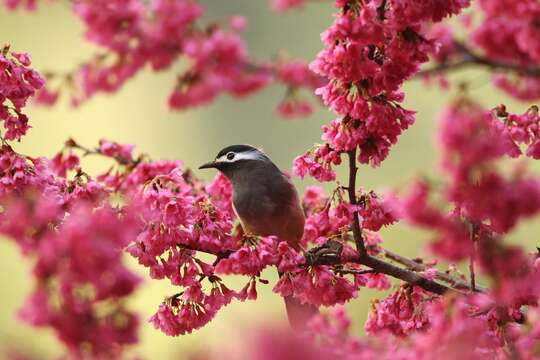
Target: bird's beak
(208, 165)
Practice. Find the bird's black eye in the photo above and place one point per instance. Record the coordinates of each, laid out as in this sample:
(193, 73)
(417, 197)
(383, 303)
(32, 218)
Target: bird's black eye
(230, 156)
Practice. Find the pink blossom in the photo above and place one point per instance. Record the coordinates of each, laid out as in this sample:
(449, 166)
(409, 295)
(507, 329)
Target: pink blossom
(250, 259)
(238, 23)
(18, 82)
(220, 190)
(371, 49)
(400, 313)
(318, 287)
(376, 212)
(46, 96)
(181, 315)
(319, 167)
(294, 108)
(508, 34)
(115, 150)
(30, 5)
(62, 163)
(284, 5)
(83, 252)
(452, 239)
(296, 73)
(313, 198)
(373, 281)
(446, 44)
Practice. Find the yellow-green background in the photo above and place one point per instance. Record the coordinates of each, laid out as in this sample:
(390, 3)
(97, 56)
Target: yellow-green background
(138, 115)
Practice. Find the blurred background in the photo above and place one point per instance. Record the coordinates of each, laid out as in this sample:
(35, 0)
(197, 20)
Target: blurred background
(138, 115)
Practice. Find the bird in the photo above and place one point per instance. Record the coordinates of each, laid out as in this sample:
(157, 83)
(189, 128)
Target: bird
(266, 203)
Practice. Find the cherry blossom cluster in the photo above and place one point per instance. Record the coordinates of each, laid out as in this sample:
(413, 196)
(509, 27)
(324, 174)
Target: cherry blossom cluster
(18, 82)
(501, 36)
(80, 283)
(75, 240)
(168, 221)
(284, 5)
(400, 313)
(62, 220)
(453, 333)
(14, 4)
(134, 34)
(370, 50)
(184, 219)
(484, 202)
(75, 227)
(509, 33)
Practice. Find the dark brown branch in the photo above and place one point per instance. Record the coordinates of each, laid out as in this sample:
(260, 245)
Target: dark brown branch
(355, 272)
(378, 265)
(408, 276)
(330, 254)
(468, 58)
(357, 232)
(472, 274)
(219, 255)
(454, 282)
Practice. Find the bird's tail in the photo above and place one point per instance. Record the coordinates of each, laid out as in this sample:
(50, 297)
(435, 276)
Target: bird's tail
(299, 314)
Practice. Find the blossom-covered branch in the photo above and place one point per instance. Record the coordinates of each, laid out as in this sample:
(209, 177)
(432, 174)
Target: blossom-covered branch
(75, 227)
(464, 57)
(133, 35)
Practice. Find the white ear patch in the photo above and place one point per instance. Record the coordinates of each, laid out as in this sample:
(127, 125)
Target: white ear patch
(232, 156)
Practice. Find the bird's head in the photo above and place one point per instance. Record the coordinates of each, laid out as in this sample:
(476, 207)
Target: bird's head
(236, 159)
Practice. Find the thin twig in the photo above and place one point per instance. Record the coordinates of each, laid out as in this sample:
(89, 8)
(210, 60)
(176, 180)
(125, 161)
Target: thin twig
(474, 231)
(357, 232)
(320, 257)
(355, 272)
(469, 58)
(454, 282)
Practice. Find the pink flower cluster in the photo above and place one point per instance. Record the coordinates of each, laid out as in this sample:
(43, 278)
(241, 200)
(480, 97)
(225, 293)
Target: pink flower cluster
(220, 64)
(134, 34)
(400, 313)
(192, 309)
(317, 285)
(75, 241)
(183, 218)
(18, 82)
(509, 34)
(173, 223)
(452, 333)
(77, 272)
(327, 218)
(118, 151)
(472, 139)
(317, 163)
(30, 5)
(485, 202)
(370, 50)
(296, 75)
(376, 212)
(252, 259)
(284, 5)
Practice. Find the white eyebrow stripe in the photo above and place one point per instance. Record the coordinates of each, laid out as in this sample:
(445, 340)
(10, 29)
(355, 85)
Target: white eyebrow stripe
(250, 155)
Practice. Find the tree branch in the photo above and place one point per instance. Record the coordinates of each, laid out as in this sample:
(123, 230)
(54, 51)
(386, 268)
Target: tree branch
(357, 232)
(454, 282)
(330, 254)
(469, 58)
(472, 259)
(376, 264)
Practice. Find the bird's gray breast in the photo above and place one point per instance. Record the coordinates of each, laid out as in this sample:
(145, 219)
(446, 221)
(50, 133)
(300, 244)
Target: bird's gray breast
(259, 193)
